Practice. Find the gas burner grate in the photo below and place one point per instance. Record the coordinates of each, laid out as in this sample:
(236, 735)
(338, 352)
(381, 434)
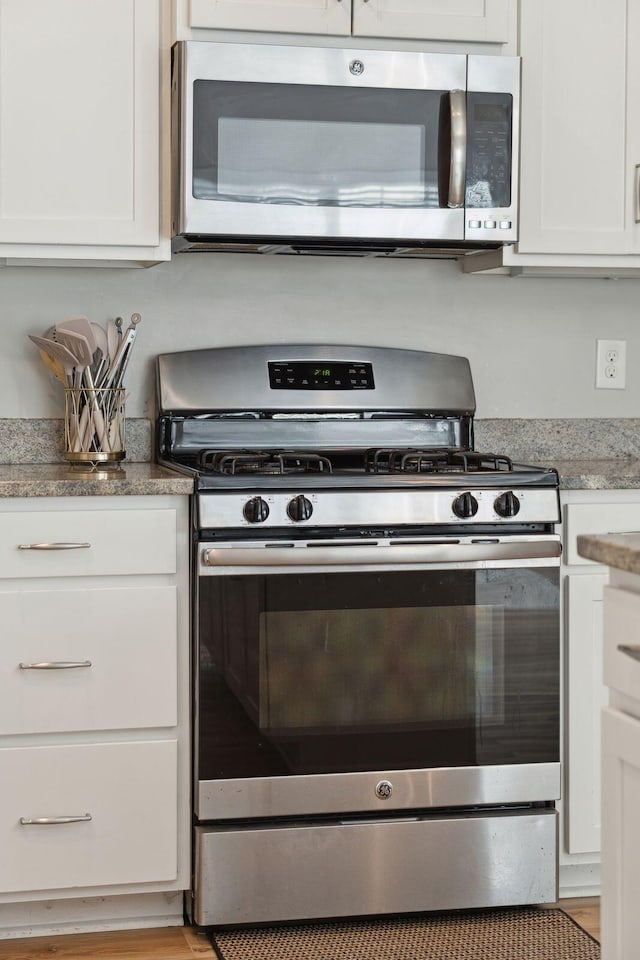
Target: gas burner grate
(482, 462)
(435, 461)
(262, 463)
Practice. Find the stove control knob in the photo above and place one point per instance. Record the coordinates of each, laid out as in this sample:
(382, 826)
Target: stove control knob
(300, 508)
(465, 506)
(256, 510)
(507, 504)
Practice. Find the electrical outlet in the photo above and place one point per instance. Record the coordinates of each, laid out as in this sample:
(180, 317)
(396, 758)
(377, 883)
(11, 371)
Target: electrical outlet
(611, 363)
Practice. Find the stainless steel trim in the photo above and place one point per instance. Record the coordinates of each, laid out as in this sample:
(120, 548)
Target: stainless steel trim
(458, 166)
(49, 821)
(636, 194)
(340, 793)
(300, 871)
(630, 650)
(515, 550)
(55, 665)
(53, 546)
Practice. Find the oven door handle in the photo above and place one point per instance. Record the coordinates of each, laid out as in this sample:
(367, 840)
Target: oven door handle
(481, 552)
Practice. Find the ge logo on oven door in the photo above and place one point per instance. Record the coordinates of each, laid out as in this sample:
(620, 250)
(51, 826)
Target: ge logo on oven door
(384, 789)
(356, 67)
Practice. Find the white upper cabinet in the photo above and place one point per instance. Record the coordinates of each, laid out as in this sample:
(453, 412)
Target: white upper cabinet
(80, 159)
(294, 16)
(580, 141)
(485, 21)
(574, 83)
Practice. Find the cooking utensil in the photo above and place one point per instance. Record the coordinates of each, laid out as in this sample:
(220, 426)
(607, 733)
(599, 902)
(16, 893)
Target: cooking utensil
(135, 320)
(119, 363)
(102, 348)
(115, 375)
(113, 340)
(81, 326)
(59, 354)
(58, 351)
(53, 365)
(78, 344)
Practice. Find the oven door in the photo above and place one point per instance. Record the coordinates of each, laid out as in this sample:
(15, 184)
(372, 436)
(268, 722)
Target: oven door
(305, 143)
(357, 676)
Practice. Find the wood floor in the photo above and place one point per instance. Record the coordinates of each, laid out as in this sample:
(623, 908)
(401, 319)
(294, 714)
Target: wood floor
(184, 943)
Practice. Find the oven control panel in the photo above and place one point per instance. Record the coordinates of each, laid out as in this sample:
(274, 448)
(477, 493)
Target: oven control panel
(350, 508)
(320, 375)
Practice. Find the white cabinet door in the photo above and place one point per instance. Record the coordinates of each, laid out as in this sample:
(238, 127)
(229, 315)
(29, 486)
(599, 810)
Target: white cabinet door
(88, 658)
(486, 21)
(585, 696)
(87, 543)
(573, 194)
(620, 836)
(122, 798)
(462, 20)
(297, 16)
(632, 177)
(79, 123)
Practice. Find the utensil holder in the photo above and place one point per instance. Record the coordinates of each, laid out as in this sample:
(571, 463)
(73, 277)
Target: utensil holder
(94, 424)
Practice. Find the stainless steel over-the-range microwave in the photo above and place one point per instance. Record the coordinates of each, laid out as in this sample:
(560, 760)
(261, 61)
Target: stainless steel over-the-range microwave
(309, 149)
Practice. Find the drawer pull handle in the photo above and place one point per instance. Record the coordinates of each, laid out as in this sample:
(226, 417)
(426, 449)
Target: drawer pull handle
(631, 650)
(53, 546)
(47, 821)
(55, 665)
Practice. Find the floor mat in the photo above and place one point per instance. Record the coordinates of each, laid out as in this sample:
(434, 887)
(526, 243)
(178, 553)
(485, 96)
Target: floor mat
(513, 934)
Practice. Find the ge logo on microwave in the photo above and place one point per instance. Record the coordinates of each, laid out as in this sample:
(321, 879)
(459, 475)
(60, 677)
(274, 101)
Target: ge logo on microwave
(384, 789)
(356, 67)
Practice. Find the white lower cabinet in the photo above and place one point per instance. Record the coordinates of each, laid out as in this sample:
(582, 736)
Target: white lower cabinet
(621, 771)
(583, 689)
(68, 652)
(94, 700)
(87, 815)
(586, 693)
(621, 836)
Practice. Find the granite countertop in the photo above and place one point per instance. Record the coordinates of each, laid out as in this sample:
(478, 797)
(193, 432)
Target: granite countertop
(32, 457)
(615, 474)
(619, 550)
(62, 479)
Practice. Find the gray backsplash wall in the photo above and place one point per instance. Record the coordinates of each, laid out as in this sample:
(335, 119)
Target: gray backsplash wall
(531, 342)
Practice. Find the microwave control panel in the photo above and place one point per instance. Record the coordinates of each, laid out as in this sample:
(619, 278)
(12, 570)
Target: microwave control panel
(489, 161)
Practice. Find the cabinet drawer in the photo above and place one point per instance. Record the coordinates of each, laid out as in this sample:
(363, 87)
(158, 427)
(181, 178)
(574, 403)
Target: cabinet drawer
(622, 642)
(97, 659)
(129, 792)
(87, 543)
(596, 518)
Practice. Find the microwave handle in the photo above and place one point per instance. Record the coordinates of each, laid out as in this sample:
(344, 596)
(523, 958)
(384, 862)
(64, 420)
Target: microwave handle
(458, 166)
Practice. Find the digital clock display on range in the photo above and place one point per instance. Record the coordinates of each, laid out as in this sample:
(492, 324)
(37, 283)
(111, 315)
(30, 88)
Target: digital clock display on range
(320, 375)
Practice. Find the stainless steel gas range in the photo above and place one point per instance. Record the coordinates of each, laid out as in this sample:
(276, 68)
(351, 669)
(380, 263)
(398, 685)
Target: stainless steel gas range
(376, 637)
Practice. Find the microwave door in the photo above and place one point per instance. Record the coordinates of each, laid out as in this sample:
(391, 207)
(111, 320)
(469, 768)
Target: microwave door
(309, 160)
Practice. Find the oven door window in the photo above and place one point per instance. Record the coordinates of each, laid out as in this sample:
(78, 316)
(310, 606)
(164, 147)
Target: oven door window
(339, 672)
(275, 143)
